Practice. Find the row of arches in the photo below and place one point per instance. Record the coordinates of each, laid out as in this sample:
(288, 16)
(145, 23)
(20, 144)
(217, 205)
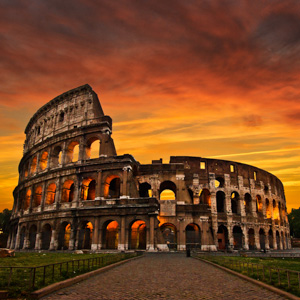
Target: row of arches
(61, 240)
(265, 239)
(53, 157)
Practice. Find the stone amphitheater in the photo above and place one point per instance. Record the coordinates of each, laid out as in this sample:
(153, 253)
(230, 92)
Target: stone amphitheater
(75, 192)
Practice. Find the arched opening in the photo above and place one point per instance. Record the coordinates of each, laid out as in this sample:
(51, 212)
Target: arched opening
(259, 204)
(271, 242)
(277, 239)
(93, 148)
(145, 189)
(205, 197)
(251, 239)
(222, 236)
(56, 156)
(85, 236)
(219, 182)
(275, 211)
(32, 236)
(22, 237)
(220, 201)
(167, 190)
(37, 198)
(268, 209)
(33, 165)
(169, 234)
(64, 235)
(61, 116)
(192, 236)
(248, 204)
(26, 169)
(50, 196)
(262, 239)
(88, 189)
(235, 203)
(26, 202)
(138, 235)
(72, 153)
(44, 160)
(68, 191)
(112, 187)
(110, 235)
(237, 237)
(46, 236)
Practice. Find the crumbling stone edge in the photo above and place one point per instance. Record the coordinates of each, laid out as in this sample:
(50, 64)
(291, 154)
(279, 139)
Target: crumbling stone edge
(65, 283)
(259, 283)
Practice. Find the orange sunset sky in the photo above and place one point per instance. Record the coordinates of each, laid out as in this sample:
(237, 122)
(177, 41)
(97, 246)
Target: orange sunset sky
(217, 79)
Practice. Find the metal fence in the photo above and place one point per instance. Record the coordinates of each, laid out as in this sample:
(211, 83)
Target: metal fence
(26, 279)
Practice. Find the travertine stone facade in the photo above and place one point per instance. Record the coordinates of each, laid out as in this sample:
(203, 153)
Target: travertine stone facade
(75, 192)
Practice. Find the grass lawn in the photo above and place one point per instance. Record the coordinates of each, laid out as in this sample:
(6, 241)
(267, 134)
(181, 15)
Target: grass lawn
(24, 278)
(270, 270)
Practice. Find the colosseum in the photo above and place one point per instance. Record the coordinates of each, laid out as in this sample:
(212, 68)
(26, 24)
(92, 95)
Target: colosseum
(75, 192)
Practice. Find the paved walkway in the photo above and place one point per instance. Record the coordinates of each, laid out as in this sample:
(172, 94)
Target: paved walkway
(163, 276)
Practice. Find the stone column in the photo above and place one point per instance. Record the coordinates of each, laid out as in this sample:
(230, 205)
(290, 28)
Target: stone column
(213, 202)
(230, 237)
(214, 221)
(267, 243)
(274, 238)
(181, 238)
(31, 198)
(99, 185)
(228, 210)
(151, 240)
(256, 238)
(38, 240)
(246, 240)
(53, 239)
(94, 245)
(122, 244)
(44, 187)
(253, 205)
(82, 146)
(124, 182)
(17, 244)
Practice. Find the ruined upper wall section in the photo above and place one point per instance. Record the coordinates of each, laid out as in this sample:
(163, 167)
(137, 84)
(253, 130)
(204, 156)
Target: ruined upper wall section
(73, 109)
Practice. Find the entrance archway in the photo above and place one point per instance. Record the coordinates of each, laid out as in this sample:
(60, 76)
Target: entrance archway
(22, 237)
(262, 239)
(169, 233)
(110, 235)
(46, 236)
(64, 236)
(192, 236)
(32, 236)
(85, 236)
(271, 243)
(251, 239)
(237, 237)
(222, 235)
(138, 235)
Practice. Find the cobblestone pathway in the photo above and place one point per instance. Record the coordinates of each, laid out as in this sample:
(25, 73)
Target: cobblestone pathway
(163, 276)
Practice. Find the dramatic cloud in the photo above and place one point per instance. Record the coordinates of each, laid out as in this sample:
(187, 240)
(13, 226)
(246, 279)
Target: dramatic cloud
(205, 78)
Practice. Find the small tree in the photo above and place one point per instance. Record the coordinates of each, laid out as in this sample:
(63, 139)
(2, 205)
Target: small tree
(294, 220)
(4, 220)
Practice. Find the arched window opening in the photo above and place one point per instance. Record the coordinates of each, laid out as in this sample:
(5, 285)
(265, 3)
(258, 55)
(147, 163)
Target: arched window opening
(169, 235)
(220, 201)
(93, 148)
(191, 194)
(46, 236)
(110, 235)
(262, 239)
(88, 189)
(222, 236)
(22, 237)
(61, 116)
(37, 199)
(235, 203)
(27, 199)
(248, 204)
(26, 170)
(259, 204)
(85, 236)
(68, 191)
(50, 197)
(32, 236)
(192, 236)
(251, 239)
(33, 165)
(277, 239)
(275, 211)
(72, 153)
(145, 190)
(205, 197)
(44, 160)
(268, 209)
(219, 182)
(138, 236)
(64, 235)
(271, 239)
(112, 187)
(237, 237)
(167, 190)
(56, 156)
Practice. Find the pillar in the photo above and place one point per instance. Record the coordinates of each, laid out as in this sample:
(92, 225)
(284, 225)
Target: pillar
(99, 185)
(122, 241)
(94, 245)
(52, 241)
(151, 237)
